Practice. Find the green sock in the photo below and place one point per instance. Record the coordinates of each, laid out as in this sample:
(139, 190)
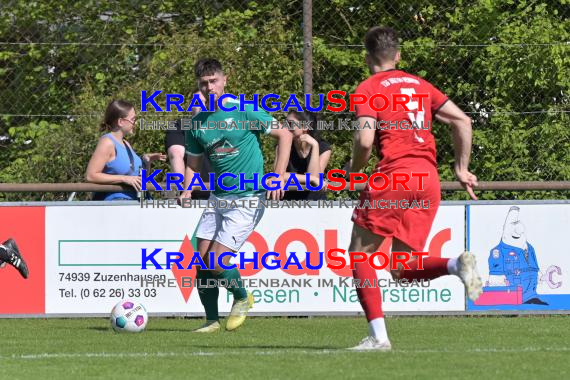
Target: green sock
(236, 287)
(208, 296)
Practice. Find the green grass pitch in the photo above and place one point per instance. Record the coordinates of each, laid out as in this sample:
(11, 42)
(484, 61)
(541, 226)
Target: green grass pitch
(535, 347)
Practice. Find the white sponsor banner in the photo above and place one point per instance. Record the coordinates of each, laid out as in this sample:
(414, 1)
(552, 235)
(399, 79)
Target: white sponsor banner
(94, 255)
(521, 255)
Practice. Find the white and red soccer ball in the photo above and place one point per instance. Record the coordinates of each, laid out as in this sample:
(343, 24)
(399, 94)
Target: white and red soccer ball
(129, 316)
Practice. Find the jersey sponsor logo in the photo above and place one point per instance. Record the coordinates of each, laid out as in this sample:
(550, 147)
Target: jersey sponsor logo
(221, 148)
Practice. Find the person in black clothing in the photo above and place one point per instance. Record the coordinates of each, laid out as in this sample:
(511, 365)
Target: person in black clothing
(309, 153)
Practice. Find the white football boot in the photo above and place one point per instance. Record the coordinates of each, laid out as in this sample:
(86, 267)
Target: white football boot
(467, 265)
(370, 343)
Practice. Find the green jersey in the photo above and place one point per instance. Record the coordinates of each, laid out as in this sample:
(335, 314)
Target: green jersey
(231, 143)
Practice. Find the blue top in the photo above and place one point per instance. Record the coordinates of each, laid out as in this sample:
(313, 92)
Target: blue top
(512, 261)
(121, 165)
(518, 265)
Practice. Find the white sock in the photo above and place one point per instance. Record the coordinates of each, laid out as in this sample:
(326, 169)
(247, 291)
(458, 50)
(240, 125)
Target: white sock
(452, 267)
(377, 329)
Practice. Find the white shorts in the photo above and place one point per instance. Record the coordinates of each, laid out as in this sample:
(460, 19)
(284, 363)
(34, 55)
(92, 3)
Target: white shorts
(230, 226)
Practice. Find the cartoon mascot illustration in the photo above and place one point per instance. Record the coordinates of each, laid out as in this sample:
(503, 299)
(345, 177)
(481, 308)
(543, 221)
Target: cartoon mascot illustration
(513, 262)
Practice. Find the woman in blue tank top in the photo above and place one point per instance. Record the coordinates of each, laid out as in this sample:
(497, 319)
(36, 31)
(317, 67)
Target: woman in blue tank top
(114, 161)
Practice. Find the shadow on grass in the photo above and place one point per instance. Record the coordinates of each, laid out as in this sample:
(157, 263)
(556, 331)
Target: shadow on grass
(99, 328)
(223, 345)
(148, 330)
(264, 347)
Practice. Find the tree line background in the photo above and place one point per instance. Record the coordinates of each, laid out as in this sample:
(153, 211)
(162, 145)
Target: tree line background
(504, 62)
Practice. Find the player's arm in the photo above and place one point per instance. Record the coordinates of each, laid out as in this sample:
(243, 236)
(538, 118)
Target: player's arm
(460, 123)
(176, 155)
(284, 140)
(363, 143)
(193, 164)
(194, 155)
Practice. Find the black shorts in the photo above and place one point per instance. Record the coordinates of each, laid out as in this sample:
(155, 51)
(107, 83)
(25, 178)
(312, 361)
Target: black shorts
(174, 137)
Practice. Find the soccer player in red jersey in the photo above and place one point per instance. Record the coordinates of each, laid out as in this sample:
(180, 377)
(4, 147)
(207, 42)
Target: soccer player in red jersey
(403, 150)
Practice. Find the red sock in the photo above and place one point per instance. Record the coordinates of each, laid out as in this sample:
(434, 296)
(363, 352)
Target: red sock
(369, 296)
(434, 267)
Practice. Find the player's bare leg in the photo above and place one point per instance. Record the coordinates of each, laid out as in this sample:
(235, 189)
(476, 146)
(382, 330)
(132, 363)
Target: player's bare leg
(363, 240)
(243, 300)
(208, 295)
(464, 267)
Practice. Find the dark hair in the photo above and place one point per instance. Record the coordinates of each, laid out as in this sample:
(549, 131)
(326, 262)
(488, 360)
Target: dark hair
(381, 43)
(311, 119)
(207, 66)
(194, 90)
(116, 109)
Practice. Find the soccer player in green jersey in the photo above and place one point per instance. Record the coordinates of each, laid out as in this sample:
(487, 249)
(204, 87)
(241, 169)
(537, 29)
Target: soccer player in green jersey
(232, 149)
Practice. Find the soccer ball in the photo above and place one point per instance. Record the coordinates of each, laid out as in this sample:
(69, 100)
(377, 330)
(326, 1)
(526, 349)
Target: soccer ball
(129, 316)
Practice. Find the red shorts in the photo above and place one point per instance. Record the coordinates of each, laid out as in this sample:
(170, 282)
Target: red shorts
(393, 213)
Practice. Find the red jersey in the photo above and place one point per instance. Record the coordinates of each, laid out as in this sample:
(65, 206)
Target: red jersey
(400, 137)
